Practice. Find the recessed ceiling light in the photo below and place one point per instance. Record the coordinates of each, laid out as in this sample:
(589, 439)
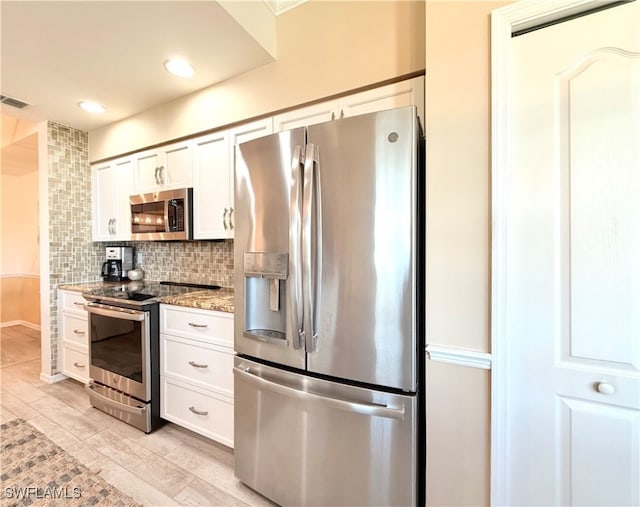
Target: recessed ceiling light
(179, 67)
(91, 107)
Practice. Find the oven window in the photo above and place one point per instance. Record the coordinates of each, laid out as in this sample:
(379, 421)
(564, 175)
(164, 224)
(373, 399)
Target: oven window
(148, 217)
(116, 346)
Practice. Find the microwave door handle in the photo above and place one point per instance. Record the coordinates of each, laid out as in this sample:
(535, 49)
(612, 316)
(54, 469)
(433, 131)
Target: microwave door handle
(167, 225)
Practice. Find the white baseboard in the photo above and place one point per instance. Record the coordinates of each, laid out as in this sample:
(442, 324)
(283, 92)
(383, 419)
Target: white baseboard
(461, 357)
(52, 379)
(20, 323)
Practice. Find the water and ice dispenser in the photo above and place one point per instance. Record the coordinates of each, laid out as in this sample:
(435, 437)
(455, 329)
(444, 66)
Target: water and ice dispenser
(265, 278)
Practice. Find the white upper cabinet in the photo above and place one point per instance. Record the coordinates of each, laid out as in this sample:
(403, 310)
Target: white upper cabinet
(309, 115)
(213, 170)
(403, 93)
(112, 184)
(164, 168)
(212, 184)
(208, 163)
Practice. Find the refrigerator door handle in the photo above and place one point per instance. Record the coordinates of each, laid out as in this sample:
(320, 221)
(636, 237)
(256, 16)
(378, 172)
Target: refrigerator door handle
(311, 245)
(358, 407)
(295, 307)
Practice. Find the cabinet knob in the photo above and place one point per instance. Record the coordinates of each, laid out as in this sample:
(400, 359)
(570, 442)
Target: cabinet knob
(605, 388)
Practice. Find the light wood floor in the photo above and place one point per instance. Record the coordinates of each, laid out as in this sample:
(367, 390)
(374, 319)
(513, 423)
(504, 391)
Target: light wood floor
(171, 466)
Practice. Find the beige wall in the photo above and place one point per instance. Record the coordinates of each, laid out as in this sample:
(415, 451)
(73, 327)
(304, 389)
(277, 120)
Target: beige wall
(458, 119)
(19, 249)
(20, 300)
(324, 48)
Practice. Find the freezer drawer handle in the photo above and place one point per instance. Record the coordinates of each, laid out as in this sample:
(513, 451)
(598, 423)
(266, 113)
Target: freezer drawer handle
(348, 406)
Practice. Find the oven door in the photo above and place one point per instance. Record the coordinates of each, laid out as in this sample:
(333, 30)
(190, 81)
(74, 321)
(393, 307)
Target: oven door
(119, 349)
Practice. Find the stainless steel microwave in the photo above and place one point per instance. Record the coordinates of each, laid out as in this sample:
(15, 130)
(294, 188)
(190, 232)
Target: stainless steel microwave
(162, 216)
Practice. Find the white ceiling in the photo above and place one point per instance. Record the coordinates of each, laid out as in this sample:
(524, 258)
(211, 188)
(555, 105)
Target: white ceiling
(56, 53)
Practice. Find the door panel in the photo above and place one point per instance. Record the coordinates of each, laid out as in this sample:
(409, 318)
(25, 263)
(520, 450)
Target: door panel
(302, 441)
(263, 183)
(573, 283)
(367, 285)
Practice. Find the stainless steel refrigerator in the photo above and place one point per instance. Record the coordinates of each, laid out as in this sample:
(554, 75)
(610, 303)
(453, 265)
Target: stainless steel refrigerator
(329, 323)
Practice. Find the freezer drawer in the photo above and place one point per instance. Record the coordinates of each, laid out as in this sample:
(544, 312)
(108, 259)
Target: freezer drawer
(304, 441)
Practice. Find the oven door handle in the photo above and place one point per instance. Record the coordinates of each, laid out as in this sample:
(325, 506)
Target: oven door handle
(114, 403)
(115, 312)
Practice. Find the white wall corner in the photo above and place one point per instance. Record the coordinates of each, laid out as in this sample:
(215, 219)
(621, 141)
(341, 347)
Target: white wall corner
(257, 18)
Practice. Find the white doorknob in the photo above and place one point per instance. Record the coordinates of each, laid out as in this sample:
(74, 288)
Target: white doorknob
(605, 388)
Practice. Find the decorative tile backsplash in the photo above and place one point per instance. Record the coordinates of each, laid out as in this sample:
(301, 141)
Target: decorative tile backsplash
(74, 257)
(209, 262)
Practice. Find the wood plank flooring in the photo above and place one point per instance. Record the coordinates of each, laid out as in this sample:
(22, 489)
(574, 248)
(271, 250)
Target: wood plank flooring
(171, 466)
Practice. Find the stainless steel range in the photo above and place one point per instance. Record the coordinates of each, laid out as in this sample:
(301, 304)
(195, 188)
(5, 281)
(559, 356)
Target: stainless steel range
(124, 364)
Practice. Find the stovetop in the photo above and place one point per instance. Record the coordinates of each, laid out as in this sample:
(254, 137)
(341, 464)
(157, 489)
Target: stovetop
(142, 292)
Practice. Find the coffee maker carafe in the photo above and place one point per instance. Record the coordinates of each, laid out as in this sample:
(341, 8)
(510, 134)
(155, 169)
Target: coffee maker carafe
(119, 262)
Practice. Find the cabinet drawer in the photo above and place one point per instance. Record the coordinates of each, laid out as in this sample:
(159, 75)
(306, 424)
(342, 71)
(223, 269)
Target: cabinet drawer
(197, 410)
(72, 302)
(203, 325)
(75, 364)
(207, 366)
(75, 329)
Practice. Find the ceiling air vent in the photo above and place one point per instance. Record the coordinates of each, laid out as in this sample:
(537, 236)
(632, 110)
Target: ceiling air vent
(10, 101)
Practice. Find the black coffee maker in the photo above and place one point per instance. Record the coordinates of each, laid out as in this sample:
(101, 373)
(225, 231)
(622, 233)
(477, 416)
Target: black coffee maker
(119, 262)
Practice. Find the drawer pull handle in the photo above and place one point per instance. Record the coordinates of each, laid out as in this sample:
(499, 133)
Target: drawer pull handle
(193, 324)
(198, 412)
(79, 333)
(78, 365)
(197, 365)
(78, 303)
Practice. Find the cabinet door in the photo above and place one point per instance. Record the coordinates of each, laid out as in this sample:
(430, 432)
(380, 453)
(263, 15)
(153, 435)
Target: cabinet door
(310, 115)
(212, 183)
(147, 167)
(176, 167)
(103, 190)
(404, 93)
(123, 169)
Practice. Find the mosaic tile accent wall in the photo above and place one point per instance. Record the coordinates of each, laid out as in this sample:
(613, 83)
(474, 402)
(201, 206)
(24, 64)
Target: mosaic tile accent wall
(69, 204)
(74, 258)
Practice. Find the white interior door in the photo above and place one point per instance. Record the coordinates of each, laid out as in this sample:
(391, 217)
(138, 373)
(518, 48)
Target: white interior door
(573, 263)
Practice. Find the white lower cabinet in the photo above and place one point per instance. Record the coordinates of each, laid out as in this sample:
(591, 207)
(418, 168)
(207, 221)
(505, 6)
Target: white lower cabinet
(196, 370)
(73, 342)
